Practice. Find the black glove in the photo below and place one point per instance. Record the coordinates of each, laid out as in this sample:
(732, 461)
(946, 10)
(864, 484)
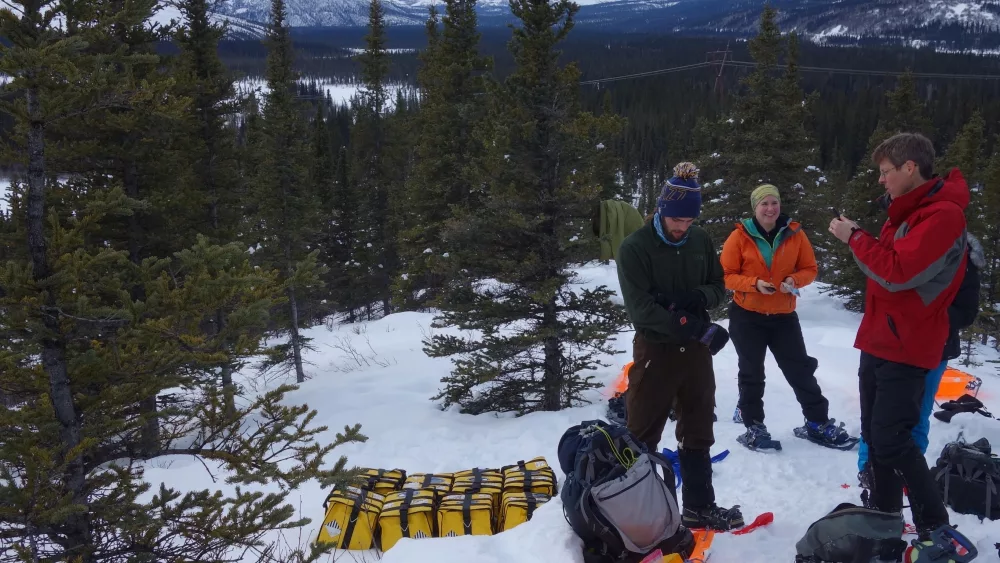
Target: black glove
(664, 300)
(715, 337)
(691, 300)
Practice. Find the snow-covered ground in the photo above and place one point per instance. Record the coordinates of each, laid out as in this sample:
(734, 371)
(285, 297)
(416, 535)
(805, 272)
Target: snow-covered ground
(4, 194)
(388, 388)
(339, 92)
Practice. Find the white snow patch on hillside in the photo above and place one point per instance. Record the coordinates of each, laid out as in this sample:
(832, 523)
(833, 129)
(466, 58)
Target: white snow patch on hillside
(387, 383)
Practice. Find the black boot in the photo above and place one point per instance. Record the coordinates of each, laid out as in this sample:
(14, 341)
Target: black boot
(928, 511)
(700, 510)
(713, 518)
(890, 550)
(887, 489)
(866, 480)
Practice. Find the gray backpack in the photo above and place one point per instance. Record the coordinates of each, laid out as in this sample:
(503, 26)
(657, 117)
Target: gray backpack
(848, 534)
(639, 505)
(618, 497)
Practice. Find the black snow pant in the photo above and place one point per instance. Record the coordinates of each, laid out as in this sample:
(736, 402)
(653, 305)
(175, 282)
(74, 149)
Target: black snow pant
(891, 396)
(752, 335)
(661, 373)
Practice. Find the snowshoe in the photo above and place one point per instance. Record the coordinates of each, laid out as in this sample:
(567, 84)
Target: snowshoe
(616, 410)
(828, 434)
(713, 517)
(757, 438)
(946, 545)
(738, 416)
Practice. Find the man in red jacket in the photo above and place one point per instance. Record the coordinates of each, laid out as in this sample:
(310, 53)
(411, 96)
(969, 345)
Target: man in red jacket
(914, 270)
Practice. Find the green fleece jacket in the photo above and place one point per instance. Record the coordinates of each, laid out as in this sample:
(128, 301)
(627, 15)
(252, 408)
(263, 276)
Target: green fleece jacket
(617, 220)
(647, 265)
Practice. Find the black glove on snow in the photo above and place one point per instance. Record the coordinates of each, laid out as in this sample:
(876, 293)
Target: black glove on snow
(715, 337)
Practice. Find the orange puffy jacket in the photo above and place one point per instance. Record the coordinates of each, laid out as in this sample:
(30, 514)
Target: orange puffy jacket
(745, 258)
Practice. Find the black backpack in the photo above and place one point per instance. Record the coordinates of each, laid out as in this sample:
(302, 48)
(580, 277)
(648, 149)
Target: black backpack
(968, 475)
(596, 455)
(848, 534)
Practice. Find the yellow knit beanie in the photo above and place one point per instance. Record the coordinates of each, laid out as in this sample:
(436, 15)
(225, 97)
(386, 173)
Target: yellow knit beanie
(761, 192)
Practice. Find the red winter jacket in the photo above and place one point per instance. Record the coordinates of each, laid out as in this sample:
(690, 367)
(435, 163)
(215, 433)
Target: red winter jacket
(914, 270)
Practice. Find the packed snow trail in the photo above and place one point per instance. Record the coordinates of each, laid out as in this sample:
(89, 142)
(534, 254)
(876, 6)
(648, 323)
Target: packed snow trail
(387, 388)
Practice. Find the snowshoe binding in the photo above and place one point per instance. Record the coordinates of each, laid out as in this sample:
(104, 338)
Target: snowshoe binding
(713, 517)
(945, 545)
(828, 434)
(737, 416)
(757, 439)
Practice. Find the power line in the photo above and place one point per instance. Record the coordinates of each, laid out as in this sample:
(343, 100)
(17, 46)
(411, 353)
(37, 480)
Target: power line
(745, 64)
(880, 72)
(648, 73)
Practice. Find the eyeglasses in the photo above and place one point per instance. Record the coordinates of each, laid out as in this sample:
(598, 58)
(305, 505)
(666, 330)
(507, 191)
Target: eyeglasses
(884, 173)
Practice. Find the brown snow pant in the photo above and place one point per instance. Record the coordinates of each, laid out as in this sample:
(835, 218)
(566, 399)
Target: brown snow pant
(662, 373)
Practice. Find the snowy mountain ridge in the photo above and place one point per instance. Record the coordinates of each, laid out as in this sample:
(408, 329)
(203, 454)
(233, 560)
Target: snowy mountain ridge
(958, 22)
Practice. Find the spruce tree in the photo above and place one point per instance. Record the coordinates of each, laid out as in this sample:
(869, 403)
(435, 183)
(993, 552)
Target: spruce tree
(905, 113)
(607, 163)
(211, 192)
(342, 232)
(375, 255)
(536, 335)
(209, 141)
(967, 154)
(81, 351)
(764, 139)
(990, 205)
(451, 82)
(128, 142)
(286, 220)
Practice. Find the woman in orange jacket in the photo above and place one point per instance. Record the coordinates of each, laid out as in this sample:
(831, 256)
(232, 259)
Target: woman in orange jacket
(766, 259)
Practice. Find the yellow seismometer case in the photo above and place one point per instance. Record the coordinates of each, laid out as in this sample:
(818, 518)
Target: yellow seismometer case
(440, 482)
(382, 481)
(351, 516)
(518, 507)
(466, 515)
(533, 476)
(485, 481)
(534, 464)
(409, 513)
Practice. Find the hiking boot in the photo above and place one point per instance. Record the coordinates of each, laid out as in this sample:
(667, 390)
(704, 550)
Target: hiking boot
(887, 551)
(757, 438)
(713, 517)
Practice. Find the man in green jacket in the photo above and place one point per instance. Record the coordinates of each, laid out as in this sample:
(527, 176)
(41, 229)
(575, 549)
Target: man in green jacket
(670, 276)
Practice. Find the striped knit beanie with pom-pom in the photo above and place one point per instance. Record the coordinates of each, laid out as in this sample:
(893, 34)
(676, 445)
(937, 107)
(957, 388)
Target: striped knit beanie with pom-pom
(681, 195)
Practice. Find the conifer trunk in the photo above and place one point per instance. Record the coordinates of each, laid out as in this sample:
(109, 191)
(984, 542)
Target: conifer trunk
(553, 377)
(991, 292)
(76, 528)
(149, 439)
(228, 389)
(300, 374)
